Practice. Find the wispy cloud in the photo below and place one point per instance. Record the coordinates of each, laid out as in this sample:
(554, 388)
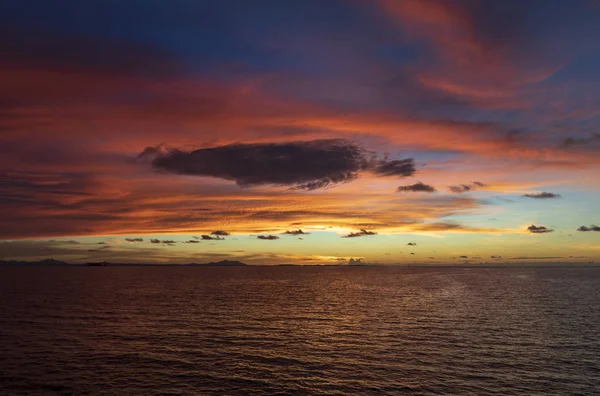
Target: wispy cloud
(463, 188)
(542, 195)
(590, 228)
(296, 232)
(538, 229)
(267, 237)
(417, 187)
(359, 234)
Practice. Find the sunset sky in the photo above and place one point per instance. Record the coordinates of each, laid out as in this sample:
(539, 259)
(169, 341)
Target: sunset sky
(390, 131)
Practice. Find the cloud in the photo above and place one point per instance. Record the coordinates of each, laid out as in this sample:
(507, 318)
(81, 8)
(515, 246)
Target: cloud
(167, 242)
(296, 232)
(463, 257)
(590, 228)
(133, 240)
(212, 238)
(454, 227)
(496, 257)
(463, 188)
(192, 241)
(404, 167)
(411, 244)
(538, 229)
(542, 195)
(268, 237)
(359, 234)
(417, 187)
(304, 165)
(571, 141)
(219, 233)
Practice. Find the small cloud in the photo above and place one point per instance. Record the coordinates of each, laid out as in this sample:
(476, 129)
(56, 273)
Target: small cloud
(412, 253)
(192, 241)
(267, 237)
(542, 195)
(167, 242)
(360, 233)
(212, 238)
(296, 232)
(417, 187)
(496, 257)
(133, 240)
(590, 228)
(101, 243)
(463, 188)
(196, 237)
(463, 257)
(412, 244)
(571, 141)
(538, 229)
(219, 233)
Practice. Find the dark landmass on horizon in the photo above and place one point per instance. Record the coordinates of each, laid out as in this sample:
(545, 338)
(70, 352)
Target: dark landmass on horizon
(233, 263)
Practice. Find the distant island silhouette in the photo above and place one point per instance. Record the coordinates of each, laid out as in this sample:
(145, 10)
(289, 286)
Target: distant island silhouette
(234, 263)
(52, 262)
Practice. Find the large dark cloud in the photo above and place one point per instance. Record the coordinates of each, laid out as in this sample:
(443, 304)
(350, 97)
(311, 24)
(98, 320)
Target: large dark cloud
(542, 195)
(590, 228)
(463, 188)
(134, 240)
(360, 234)
(417, 187)
(538, 229)
(306, 165)
(411, 244)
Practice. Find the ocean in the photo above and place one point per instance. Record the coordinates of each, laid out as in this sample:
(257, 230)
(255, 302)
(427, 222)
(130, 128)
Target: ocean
(299, 330)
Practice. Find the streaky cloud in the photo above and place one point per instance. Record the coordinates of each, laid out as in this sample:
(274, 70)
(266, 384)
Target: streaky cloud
(360, 233)
(542, 195)
(267, 237)
(464, 188)
(417, 187)
(296, 232)
(538, 229)
(590, 228)
(219, 233)
(212, 238)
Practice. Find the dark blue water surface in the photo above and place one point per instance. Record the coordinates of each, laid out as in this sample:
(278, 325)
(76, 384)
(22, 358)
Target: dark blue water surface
(295, 330)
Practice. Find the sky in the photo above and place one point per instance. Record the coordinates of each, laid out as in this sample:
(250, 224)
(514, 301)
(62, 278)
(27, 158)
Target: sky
(300, 131)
